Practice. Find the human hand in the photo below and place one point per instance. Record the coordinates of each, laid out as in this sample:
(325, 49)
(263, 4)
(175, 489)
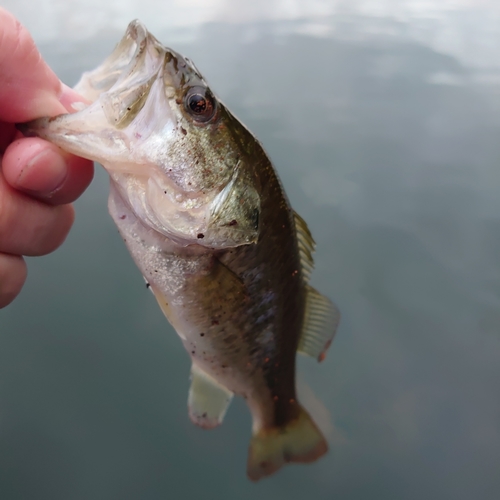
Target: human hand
(38, 181)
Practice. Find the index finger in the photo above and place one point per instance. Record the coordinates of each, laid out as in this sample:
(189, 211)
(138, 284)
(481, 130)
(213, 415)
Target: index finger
(28, 87)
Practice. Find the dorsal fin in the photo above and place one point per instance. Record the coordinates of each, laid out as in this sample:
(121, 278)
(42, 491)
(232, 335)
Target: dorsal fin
(320, 324)
(306, 246)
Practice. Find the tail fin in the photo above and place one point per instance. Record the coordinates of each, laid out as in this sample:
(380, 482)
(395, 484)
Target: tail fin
(298, 441)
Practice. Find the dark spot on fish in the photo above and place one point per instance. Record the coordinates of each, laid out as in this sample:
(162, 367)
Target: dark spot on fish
(204, 415)
(183, 130)
(147, 285)
(254, 349)
(129, 108)
(255, 218)
(223, 366)
(202, 334)
(50, 120)
(123, 217)
(230, 338)
(189, 184)
(192, 352)
(215, 322)
(170, 170)
(233, 223)
(200, 236)
(156, 270)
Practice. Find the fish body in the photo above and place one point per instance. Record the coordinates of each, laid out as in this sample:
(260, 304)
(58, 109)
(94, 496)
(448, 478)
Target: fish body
(205, 218)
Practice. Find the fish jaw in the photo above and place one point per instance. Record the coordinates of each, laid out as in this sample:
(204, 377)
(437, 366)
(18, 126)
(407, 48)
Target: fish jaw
(123, 62)
(93, 133)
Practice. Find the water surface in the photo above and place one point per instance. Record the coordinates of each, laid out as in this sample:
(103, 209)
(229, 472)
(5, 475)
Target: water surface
(382, 119)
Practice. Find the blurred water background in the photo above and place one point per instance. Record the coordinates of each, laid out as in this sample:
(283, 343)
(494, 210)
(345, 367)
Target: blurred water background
(382, 118)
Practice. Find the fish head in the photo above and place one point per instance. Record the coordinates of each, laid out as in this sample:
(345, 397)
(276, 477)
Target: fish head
(178, 157)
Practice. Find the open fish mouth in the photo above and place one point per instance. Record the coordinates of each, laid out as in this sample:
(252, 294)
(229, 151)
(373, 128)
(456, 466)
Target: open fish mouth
(129, 86)
(126, 65)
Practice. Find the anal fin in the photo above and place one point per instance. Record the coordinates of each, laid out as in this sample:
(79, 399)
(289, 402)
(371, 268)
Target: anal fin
(320, 324)
(208, 401)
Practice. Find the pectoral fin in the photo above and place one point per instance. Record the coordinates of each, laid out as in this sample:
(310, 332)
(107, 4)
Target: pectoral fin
(320, 324)
(208, 401)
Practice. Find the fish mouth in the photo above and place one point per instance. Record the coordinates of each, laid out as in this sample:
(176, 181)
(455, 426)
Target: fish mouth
(124, 67)
(129, 106)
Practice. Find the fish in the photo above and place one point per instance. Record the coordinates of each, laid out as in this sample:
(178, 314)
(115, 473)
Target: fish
(205, 217)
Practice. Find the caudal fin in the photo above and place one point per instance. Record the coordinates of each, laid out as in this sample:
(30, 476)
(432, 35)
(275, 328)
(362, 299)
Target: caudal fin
(299, 441)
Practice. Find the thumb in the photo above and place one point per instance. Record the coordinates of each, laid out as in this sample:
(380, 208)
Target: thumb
(28, 87)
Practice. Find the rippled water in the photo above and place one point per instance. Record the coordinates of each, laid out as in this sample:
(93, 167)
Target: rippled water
(382, 119)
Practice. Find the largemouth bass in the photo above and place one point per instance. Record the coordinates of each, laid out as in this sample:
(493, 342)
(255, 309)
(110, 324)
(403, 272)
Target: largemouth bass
(206, 220)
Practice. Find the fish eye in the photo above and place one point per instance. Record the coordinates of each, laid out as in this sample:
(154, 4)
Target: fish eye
(200, 104)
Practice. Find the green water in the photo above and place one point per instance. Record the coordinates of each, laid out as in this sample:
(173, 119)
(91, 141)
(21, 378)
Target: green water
(384, 126)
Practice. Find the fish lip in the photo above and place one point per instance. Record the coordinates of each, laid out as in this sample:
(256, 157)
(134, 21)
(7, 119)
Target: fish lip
(123, 81)
(117, 64)
(137, 30)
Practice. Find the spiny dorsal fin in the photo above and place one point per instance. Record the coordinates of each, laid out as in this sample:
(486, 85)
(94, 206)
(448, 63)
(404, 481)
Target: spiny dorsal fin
(306, 245)
(208, 401)
(320, 324)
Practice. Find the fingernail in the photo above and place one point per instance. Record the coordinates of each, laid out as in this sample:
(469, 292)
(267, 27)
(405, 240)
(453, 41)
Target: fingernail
(44, 174)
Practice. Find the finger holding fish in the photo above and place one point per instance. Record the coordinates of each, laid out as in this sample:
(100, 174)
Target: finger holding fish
(35, 176)
(46, 172)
